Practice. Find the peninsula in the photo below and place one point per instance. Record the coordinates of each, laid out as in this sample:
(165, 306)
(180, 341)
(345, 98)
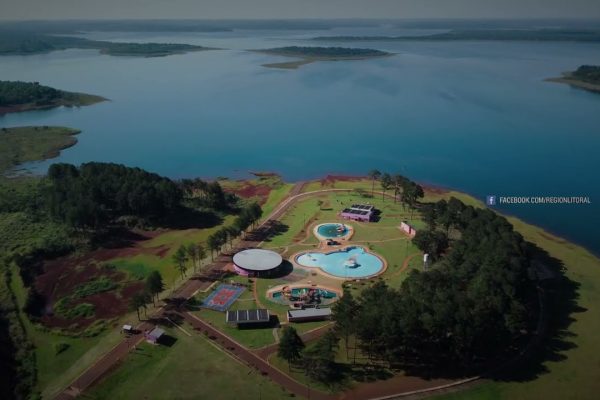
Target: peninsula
(17, 96)
(585, 77)
(33, 143)
(19, 43)
(307, 55)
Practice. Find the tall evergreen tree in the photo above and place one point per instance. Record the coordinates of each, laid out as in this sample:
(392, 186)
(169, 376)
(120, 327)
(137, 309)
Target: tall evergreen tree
(290, 345)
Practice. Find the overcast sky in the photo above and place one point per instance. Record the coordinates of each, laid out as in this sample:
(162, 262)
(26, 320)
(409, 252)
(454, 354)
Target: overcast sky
(89, 9)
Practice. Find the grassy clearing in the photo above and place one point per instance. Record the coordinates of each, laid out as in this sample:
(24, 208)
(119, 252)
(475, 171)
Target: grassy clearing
(383, 237)
(192, 368)
(140, 265)
(276, 196)
(32, 143)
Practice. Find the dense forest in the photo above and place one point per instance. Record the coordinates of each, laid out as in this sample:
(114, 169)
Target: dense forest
(97, 193)
(469, 306)
(14, 93)
(588, 73)
(23, 96)
(31, 43)
(325, 52)
(74, 209)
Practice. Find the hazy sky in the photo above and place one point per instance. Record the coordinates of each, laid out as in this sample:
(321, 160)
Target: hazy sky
(57, 9)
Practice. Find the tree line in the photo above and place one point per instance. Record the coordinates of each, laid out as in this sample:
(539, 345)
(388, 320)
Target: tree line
(317, 360)
(405, 191)
(194, 253)
(17, 92)
(94, 194)
(473, 304)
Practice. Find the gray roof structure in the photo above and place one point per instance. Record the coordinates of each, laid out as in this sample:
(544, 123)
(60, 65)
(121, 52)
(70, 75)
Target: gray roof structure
(156, 333)
(310, 313)
(247, 316)
(257, 259)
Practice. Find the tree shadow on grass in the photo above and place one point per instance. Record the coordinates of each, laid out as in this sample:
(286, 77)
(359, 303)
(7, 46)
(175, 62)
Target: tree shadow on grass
(554, 303)
(117, 237)
(552, 338)
(267, 232)
(189, 218)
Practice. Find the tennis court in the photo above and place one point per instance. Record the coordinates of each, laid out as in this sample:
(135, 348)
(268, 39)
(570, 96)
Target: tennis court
(223, 297)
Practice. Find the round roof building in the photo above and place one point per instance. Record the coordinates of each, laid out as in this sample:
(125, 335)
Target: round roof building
(256, 262)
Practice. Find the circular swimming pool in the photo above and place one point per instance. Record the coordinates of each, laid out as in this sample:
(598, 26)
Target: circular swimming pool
(331, 231)
(351, 262)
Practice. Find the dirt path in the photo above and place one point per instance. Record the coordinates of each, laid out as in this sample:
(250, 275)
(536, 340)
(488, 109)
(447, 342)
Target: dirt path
(254, 361)
(257, 359)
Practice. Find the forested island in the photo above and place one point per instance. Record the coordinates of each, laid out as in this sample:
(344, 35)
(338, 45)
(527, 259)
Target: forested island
(585, 77)
(544, 35)
(23, 43)
(308, 55)
(33, 143)
(16, 96)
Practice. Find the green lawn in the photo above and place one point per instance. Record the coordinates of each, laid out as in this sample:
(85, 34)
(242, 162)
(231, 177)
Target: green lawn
(140, 265)
(32, 143)
(192, 368)
(275, 198)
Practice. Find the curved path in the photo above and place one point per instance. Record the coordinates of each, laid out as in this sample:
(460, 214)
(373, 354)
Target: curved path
(394, 387)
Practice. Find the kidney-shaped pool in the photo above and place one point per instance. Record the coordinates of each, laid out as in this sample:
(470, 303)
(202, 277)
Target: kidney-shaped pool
(351, 262)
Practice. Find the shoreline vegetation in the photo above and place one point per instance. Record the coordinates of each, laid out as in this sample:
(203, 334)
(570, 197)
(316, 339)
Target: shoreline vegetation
(308, 55)
(585, 77)
(17, 96)
(544, 35)
(69, 204)
(33, 143)
(19, 43)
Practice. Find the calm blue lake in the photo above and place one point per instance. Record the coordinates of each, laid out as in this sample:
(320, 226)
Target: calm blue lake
(474, 116)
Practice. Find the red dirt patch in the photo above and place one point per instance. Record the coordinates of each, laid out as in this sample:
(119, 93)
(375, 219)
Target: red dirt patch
(250, 190)
(330, 180)
(62, 275)
(434, 189)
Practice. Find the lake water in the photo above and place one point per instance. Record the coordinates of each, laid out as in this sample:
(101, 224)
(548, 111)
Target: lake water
(474, 116)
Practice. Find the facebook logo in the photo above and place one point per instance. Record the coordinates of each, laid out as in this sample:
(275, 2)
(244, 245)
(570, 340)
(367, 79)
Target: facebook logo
(490, 200)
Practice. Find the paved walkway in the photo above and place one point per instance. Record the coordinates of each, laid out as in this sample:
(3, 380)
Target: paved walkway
(256, 359)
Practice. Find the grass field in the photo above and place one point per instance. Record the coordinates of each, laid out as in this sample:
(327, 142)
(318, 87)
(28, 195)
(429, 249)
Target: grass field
(32, 143)
(572, 369)
(192, 368)
(140, 265)
(202, 371)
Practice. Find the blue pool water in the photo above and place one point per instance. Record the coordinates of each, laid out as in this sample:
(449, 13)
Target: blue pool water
(332, 230)
(336, 263)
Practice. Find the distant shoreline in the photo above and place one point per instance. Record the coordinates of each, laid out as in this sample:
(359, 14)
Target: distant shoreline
(568, 79)
(72, 99)
(308, 55)
(21, 145)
